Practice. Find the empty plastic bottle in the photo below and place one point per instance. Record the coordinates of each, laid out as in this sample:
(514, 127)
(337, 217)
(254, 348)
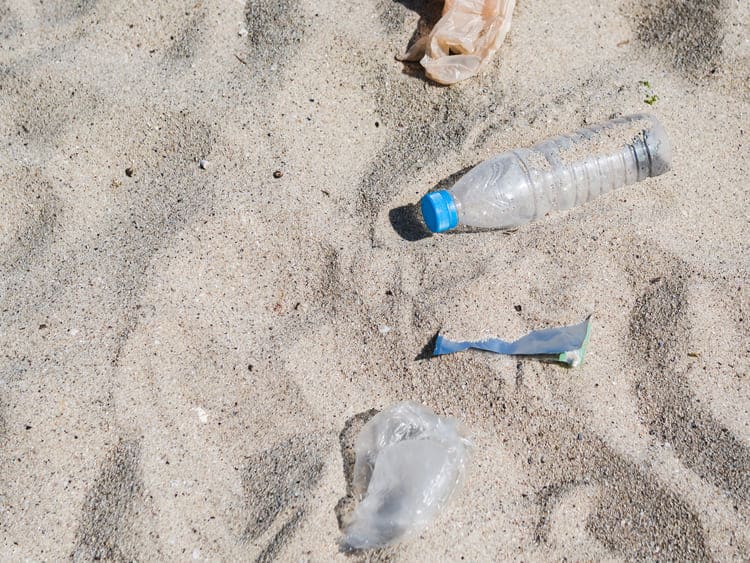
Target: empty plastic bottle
(522, 185)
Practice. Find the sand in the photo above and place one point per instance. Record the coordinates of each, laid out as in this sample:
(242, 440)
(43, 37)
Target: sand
(186, 354)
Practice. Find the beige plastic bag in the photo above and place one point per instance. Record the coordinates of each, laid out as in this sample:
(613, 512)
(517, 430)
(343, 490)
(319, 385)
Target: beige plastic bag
(464, 39)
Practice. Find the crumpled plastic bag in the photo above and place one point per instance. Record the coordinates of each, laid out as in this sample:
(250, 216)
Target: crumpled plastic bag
(409, 463)
(464, 39)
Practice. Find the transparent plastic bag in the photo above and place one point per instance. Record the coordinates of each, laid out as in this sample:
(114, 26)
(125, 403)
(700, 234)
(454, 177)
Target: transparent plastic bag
(409, 463)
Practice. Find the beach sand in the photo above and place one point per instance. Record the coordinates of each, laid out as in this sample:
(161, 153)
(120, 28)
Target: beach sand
(187, 353)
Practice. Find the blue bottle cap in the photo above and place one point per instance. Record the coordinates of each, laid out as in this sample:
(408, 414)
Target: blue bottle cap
(439, 211)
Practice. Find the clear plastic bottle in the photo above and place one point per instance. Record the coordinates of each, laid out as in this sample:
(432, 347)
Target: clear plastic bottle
(523, 185)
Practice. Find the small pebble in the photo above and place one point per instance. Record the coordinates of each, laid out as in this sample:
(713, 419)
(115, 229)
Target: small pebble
(129, 172)
(518, 308)
(202, 415)
(203, 164)
(278, 174)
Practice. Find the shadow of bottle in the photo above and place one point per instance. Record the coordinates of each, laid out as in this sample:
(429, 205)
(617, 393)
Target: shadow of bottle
(407, 222)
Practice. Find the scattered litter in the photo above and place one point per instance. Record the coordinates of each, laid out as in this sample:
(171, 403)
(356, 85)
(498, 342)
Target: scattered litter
(566, 345)
(203, 164)
(242, 31)
(409, 463)
(384, 329)
(523, 185)
(464, 40)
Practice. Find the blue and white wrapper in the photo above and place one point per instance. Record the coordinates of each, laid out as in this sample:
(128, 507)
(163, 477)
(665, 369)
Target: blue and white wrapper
(566, 344)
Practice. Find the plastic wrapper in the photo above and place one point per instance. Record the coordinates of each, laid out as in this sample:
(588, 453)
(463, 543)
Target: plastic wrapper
(566, 344)
(409, 464)
(464, 39)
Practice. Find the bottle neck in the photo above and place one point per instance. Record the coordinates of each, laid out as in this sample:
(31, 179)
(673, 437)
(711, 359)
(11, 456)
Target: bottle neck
(459, 206)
